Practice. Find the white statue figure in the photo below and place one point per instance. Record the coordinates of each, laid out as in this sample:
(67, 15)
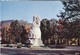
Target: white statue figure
(35, 33)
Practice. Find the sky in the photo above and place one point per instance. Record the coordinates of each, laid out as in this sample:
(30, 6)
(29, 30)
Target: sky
(26, 10)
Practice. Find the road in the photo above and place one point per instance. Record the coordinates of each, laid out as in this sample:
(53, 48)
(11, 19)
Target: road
(40, 51)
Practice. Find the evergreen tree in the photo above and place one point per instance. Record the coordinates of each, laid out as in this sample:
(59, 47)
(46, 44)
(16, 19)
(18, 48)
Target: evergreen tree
(71, 10)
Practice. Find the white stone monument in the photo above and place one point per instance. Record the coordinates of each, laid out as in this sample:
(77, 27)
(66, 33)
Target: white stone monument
(35, 32)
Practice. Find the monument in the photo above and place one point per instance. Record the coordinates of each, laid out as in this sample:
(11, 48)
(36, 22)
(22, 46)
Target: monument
(35, 32)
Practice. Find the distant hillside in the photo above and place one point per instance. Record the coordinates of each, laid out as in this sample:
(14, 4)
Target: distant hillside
(6, 22)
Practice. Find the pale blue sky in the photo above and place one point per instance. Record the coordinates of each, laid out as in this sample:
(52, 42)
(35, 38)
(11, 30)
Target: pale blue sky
(26, 10)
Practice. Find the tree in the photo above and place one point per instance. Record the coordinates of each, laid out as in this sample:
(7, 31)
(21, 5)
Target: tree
(71, 9)
(48, 31)
(24, 35)
(71, 19)
(16, 30)
(45, 31)
(23, 23)
(4, 33)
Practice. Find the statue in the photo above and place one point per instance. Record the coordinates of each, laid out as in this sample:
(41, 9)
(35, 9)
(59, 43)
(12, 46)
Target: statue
(35, 32)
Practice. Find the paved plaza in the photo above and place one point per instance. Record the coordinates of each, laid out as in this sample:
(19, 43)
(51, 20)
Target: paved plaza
(69, 50)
